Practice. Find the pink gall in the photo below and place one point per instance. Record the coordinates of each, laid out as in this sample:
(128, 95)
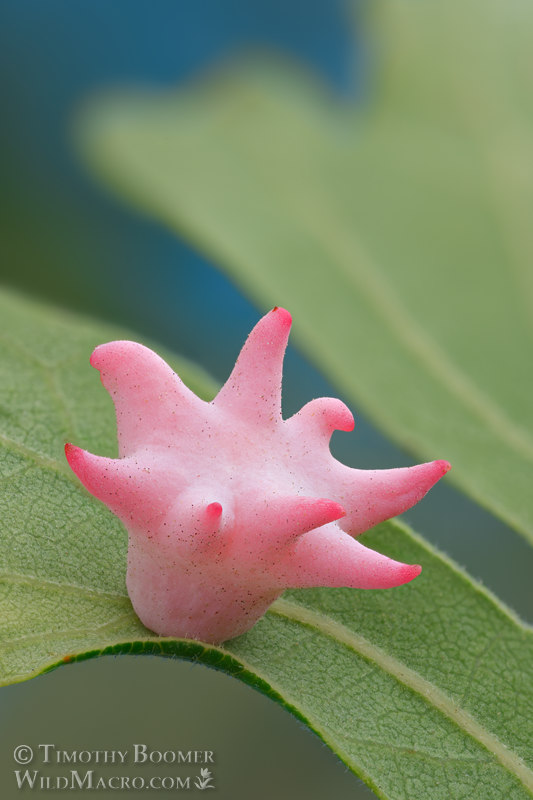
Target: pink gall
(226, 503)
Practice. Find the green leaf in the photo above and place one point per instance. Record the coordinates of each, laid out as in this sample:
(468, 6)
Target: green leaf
(424, 691)
(398, 233)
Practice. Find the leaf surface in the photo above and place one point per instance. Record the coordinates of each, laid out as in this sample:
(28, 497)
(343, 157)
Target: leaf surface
(424, 691)
(398, 233)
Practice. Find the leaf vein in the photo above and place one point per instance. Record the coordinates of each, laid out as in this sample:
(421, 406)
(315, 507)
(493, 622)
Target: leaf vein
(409, 678)
(13, 577)
(67, 631)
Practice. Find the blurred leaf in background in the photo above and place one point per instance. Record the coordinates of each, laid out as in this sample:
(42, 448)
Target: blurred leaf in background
(61, 237)
(398, 234)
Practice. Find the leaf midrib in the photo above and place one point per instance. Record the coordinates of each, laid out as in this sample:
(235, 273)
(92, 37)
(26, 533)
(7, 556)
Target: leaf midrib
(362, 647)
(409, 678)
(15, 577)
(69, 632)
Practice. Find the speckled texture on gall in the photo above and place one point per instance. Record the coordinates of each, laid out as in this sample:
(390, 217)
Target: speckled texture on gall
(226, 503)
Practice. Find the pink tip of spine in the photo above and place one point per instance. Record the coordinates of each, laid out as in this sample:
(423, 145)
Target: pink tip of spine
(343, 418)
(94, 360)
(71, 452)
(334, 510)
(214, 510)
(283, 315)
(410, 572)
(112, 354)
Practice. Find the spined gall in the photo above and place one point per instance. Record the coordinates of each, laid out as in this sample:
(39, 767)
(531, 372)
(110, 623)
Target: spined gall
(226, 503)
